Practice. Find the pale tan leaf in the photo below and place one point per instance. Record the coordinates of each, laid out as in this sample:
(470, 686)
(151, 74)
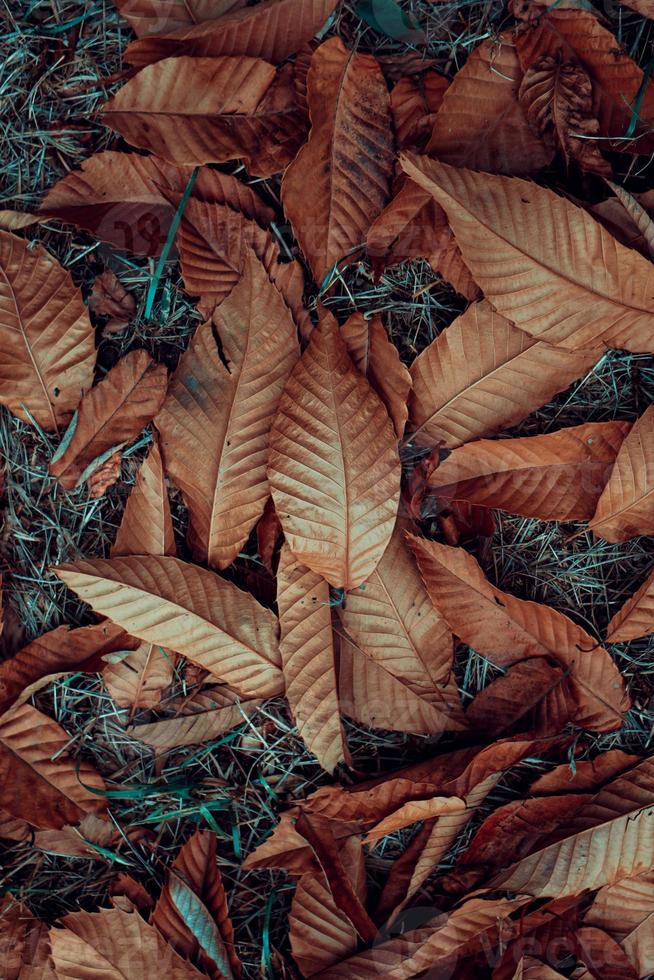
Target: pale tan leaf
(114, 945)
(195, 727)
(139, 679)
(17, 220)
(626, 506)
(210, 110)
(556, 476)
(410, 813)
(482, 374)
(273, 29)
(626, 911)
(643, 222)
(481, 123)
(636, 617)
(148, 17)
(376, 356)
(47, 349)
(308, 659)
(542, 262)
(110, 416)
(189, 610)
(347, 161)
(40, 781)
(129, 200)
(508, 629)
(643, 7)
(333, 467)
(146, 527)
(215, 422)
(102, 473)
(319, 933)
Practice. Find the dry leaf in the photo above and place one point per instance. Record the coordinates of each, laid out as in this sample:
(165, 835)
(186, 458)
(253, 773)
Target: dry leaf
(210, 110)
(584, 775)
(210, 714)
(308, 659)
(507, 630)
(642, 222)
(103, 473)
(273, 29)
(601, 954)
(333, 466)
(556, 476)
(522, 700)
(626, 911)
(109, 298)
(40, 782)
(148, 17)
(24, 944)
(189, 610)
(626, 506)
(139, 679)
(348, 160)
(320, 934)
(377, 357)
(558, 99)
(542, 262)
(47, 349)
(636, 617)
(643, 7)
(109, 417)
(414, 101)
(146, 527)
(215, 422)
(482, 374)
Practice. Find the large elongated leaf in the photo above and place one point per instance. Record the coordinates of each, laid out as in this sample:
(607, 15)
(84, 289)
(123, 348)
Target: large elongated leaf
(308, 659)
(215, 422)
(348, 160)
(481, 123)
(333, 467)
(481, 375)
(508, 629)
(557, 476)
(532, 696)
(40, 782)
(148, 17)
(125, 198)
(47, 350)
(319, 932)
(209, 110)
(114, 944)
(111, 415)
(187, 609)
(542, 262)
(272, 30)
(636, 617)
(626, 507)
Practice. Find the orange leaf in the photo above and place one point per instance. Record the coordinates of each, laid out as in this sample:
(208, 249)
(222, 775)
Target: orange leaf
(148, 17)
(146, 527)
(414, 101)
(521, 699)
(636, 617)
(348, 160)
(210, 713)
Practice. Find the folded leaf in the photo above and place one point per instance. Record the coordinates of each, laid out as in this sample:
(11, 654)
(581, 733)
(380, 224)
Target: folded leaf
(110, 416)
(482, 374)
(146, 527)
(542, 262)
(481, 123)
(187, 609)
(626, 506)
(348, 160)
(414, 101)
(557, 476)
(40, 782)
(215, 422)
(507, 630)
(47, 349)
(320, 934)
(272, 30)
(209, 110)
(333, 466)
(636, 618)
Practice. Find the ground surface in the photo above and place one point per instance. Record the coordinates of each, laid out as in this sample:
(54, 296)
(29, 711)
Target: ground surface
(57, 62)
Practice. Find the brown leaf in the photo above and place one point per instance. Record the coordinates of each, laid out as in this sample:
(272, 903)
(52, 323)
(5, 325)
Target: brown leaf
(602, 955)
(104, 473)
(481, 123)
(556, 476)
(187, 609)
(215, 423)
(308, 659)
(377, 357)
(558, 99)
(129, 200)
(112, 943)
(617, 80)
(414, 101)
(148, 17)
(639, 217)
(636, 617)
(626, 911)
(482, 374)
(269, 532)
(24, 944)
(209, 715)
(272, 30)
(47, 349)
(348, 160)
(192, 912)
(643, 7)
(320, 934)
(109, 417)
(138, 679)
(542, 262)
(414, 226)
(210, 110)
(522, 699)
(333, 466)
(109, 298)
(40, 782)
(146, 527)
(507, 630)
(626, 506)
(586, 775)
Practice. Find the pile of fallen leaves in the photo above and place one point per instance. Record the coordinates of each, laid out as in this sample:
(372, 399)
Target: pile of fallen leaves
(285, 431)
